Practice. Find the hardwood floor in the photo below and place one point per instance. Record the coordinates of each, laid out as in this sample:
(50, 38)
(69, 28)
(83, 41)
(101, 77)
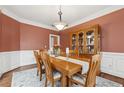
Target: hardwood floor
(113, 78)
(5, 80)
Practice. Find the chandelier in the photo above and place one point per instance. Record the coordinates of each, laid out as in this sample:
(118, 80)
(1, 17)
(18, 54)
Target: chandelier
(60, 25)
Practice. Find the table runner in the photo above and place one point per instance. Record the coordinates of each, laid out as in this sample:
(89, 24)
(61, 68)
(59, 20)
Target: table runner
(84, 64)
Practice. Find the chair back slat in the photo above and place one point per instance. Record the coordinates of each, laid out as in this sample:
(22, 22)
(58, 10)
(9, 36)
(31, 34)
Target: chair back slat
(47, 64)
(91, 77)
(37, 60)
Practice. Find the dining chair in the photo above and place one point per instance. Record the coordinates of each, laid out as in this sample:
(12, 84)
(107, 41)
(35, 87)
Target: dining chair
(39, 64)
(90, 79)
(51, 75)
(40, 51)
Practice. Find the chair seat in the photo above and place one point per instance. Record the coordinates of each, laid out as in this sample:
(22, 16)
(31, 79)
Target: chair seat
(79, 79)
(56, 74)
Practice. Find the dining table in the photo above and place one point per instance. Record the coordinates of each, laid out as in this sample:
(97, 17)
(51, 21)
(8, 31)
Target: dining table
(68, 66)
(67, 69)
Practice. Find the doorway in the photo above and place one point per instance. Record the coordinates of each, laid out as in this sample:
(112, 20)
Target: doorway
(53, 40)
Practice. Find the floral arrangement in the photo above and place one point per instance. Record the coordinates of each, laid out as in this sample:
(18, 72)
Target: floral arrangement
(56, 46)
(56, 49)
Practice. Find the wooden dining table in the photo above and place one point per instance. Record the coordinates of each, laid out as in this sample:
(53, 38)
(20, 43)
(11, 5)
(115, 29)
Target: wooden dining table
(66, 68)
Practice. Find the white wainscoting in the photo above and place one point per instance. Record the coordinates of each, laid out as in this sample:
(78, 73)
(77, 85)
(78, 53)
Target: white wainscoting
(27, 57)
(14, 59)
(113, 63)
(9, 61)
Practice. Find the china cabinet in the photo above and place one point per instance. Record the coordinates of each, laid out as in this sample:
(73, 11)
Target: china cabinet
(86, 41)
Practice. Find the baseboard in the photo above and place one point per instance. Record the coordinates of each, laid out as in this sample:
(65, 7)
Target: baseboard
(102, 74)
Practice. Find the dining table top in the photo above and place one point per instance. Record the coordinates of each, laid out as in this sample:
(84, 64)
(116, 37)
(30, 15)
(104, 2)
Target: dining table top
(68, 68)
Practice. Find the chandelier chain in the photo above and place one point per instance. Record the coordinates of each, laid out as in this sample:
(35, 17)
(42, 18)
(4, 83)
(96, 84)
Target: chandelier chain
(60, 13)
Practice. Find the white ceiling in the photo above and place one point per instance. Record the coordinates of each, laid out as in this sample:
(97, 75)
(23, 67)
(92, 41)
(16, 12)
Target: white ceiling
(47, 14)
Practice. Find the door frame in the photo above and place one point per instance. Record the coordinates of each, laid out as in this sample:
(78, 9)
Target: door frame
(50, 39)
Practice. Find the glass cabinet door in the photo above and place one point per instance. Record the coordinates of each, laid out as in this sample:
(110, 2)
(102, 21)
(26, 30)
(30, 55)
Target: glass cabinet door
(74, 36)
(90, 42)
(80, 42)
(86, 41)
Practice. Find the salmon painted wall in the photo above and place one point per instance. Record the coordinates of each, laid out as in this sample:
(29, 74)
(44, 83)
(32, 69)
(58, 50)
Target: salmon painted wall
(112, 32)
(32, 37)
(19, 36)
(9, 34)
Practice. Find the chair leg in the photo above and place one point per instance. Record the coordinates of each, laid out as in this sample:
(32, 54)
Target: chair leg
(46, 82)
(70, 83)
(40, 76)
(37, 72)
(52, 83)
(94, 85)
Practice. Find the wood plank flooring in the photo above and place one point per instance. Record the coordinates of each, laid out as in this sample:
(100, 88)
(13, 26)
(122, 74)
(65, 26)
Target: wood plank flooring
(113, 78)
(5, 80)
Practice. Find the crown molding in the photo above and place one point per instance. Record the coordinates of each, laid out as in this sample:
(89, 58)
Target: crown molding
(83, 20)
(22, 20)
(98, 14)
(10, 14)
(37, 24)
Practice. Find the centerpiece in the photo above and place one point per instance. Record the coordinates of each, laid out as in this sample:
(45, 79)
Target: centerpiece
(56, 50)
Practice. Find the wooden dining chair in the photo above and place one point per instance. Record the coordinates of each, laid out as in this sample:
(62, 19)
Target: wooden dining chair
(51, 75)
(90, 79)
(40, 51)
(39, 64)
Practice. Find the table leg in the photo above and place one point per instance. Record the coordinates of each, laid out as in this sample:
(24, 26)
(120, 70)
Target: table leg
(64, 81)
(69, 82)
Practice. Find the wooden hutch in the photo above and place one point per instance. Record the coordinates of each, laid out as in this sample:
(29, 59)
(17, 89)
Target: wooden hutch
(86, 42)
